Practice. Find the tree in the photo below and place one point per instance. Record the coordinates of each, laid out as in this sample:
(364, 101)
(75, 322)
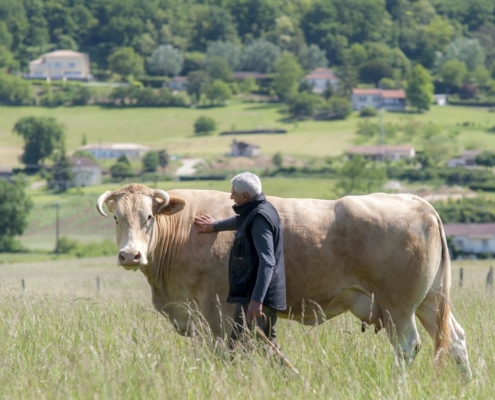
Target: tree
(249, 85)
(288, 72)
(278, 159)
(197, 82)
(375, 70)
(453, 73)
(481, 76)
(229, 51)
(151, 161)
(312, 57)
(163, 159)
(193, 61)
(121, 169)
(259, 56)
(62, 175)
(204, 126)
(466, 50)
(218, 68)
(126, 62)
(438, 33)
(419, 88)
(486, 158)
(42, 136)
(15, 90)
(358, 176)
(7, 59)
(303, 105)
(335, 108)
(165, 60)
(14, 211)
(218, 92)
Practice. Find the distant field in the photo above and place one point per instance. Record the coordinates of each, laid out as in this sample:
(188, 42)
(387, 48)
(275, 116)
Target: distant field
(172, 128)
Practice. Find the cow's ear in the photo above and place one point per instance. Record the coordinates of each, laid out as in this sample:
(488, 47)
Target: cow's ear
(173, 206)
(110, 205)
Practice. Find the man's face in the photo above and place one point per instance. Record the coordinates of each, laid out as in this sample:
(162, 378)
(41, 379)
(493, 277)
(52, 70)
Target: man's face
(239, 198)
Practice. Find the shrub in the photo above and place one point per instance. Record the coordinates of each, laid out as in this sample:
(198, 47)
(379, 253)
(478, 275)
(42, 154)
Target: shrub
(204, 126)
(303, 105)
(368, 112)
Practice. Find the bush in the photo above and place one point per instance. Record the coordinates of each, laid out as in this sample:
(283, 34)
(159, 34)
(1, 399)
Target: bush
(335, 108)
(15, 91)
(368, 112)
(204, 126)
(303, 105)
(81, 250)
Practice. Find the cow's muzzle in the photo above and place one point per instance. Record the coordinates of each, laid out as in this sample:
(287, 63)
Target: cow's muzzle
(131, 258)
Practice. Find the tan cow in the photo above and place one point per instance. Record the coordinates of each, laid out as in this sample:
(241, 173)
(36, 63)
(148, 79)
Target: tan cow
(382, 257)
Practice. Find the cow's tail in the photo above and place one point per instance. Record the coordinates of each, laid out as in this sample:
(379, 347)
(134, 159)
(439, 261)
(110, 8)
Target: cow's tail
(442, 337)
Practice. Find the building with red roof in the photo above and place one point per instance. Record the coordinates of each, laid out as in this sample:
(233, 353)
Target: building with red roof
(393, 99)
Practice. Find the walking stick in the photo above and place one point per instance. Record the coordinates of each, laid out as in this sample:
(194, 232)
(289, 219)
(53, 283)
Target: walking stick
(277, 351)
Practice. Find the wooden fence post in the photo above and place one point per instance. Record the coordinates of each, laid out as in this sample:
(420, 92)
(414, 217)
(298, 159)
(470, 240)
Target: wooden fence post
(23, 285)
(461, 277)
(98, 285)
(489, 279)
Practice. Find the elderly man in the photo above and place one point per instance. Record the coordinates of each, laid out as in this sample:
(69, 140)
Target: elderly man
(256, 264)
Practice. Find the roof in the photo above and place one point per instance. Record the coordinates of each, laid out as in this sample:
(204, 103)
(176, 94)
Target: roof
(82, 162)
(114, 146)
(470, 154)
(37, 61)
(322, 73)
(64, 53)
(248, 74)
(384, 93)
(470, 229)
(179, 79)
(381, 149)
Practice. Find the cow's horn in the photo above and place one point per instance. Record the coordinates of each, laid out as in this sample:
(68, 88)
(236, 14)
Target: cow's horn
(162, 194)
(102, 199)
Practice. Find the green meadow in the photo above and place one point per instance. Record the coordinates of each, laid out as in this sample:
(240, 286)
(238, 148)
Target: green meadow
(172, 128)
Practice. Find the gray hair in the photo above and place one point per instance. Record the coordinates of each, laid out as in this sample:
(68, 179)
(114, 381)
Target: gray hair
(246, 182)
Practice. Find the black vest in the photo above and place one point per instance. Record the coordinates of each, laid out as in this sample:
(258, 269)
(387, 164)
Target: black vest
(244, 261)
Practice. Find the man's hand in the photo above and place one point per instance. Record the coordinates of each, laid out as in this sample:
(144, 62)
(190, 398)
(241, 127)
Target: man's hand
(205, 223)
(254, 311)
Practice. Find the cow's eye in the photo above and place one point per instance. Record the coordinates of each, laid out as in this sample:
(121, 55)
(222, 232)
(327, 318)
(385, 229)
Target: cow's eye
(149, 217)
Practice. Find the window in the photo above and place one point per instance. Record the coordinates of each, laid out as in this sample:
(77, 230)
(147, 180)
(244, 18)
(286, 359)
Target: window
(72, 65)
(57, 65)
(484, 245)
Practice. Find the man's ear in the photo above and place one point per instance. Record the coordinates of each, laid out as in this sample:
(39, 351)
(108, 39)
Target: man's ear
(174, 206)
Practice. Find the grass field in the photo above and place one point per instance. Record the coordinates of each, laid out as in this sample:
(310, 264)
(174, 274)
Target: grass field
(63, 339)
(172, 128)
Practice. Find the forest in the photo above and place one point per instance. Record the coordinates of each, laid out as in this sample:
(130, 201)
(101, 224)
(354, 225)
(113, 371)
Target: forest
(367, 39)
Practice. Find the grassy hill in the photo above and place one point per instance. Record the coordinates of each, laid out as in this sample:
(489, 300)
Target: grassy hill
(172, 128)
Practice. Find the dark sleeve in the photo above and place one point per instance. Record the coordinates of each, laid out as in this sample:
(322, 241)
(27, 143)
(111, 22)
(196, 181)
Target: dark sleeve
(227, 224)
(263, 241)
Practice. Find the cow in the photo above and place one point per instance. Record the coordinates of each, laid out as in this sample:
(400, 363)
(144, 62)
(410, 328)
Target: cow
(383, 257)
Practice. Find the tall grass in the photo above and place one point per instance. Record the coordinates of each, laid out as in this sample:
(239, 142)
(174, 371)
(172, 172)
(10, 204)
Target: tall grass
(57, 344)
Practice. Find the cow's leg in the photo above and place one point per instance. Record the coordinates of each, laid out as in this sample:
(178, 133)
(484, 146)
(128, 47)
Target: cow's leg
(404, 336)
(427, 314)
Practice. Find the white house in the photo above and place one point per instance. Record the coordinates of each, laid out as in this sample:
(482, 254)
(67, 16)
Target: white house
(320, 78)
(380, 153)
(243, 149)
(378, 98)
(61, 64)
(472, 238)
(115, 150)
(85, 171)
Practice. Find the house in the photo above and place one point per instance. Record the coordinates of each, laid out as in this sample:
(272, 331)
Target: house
(178, 83)
(320, 78)
(440, 99)
(61, 64)
(472, 238)
(115, 150)
(85, 171)
(378, 98)
(6, 173)
(243, 149)
(467, 159)
(380, 153)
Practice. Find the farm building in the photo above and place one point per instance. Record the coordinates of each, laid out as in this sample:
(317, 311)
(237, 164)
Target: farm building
(85, 171)
(378, 99)
(115, 150)
(178, 83)
(320, 78)
(380, 153)
(467, 159)
(243, 149)
(61, 64)
(472, 238)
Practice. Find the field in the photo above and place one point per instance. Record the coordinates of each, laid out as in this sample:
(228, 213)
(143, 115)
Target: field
(64, 339)
(172, 128)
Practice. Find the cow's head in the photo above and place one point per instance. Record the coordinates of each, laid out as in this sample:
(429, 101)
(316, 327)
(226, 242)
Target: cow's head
(135, 208)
